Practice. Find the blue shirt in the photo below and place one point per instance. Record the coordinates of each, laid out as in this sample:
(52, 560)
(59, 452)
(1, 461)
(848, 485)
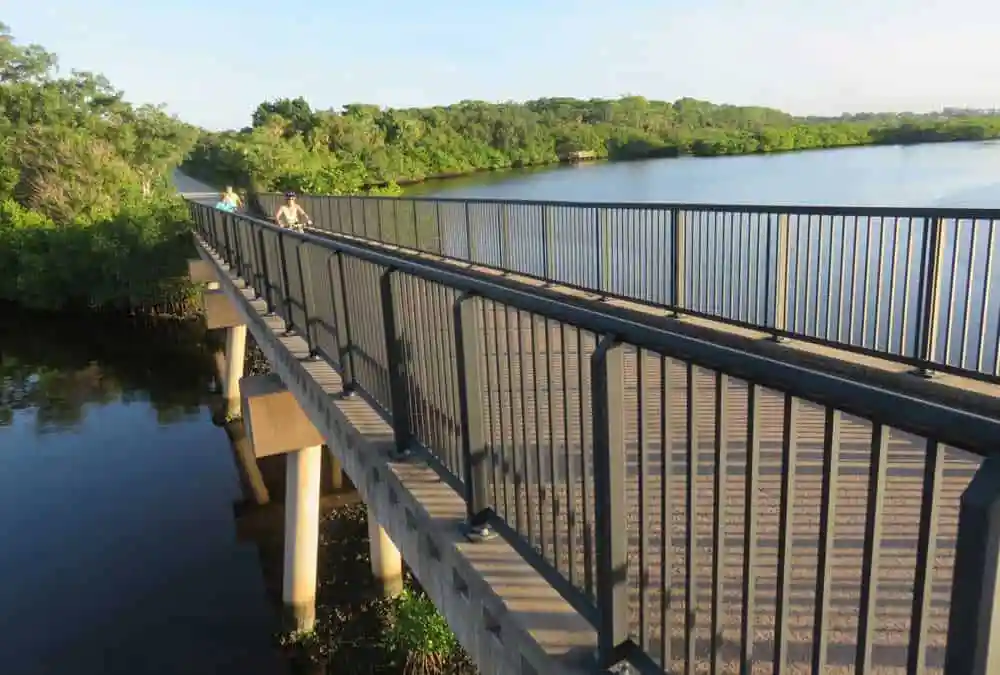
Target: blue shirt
(225, 205)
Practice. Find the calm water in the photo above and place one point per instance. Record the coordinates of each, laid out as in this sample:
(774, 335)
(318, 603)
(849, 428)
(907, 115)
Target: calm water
(853, 280)
(945, 174)
(116, 503)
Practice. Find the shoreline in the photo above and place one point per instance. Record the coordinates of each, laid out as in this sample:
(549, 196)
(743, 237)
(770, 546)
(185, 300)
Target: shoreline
(447, 177)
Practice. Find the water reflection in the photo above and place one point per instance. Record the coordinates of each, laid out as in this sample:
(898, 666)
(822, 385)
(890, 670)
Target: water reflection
(120, 552)
(55, 367)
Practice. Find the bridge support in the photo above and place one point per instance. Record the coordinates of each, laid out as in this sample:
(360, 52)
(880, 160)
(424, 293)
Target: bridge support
(387, 563)
(202, 272)
(336, 473)
(236, 354)
(277, 425)
(302, 491)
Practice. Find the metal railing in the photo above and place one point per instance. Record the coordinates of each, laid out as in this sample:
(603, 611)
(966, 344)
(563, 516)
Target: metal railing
(704, 507)
(912, 285)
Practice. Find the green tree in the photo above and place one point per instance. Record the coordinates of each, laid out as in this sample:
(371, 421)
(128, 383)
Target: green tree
(87, 212)
(364, 147)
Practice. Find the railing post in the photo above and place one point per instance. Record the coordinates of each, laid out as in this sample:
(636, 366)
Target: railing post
(468, 233)
(607, 245)
(395, 222)
(550, 256)
(308, 298)
(680, 258)
(265, 272)
(398, 380)
(610, 507)
(440, 234)
(780, 258)
(416, 229)
(472, 418)
(338, 224)
(930, 296)
(227, 243)
(238, 248)
(378, 207)
(504, 238)
(342, 318)
(286, 297)
(973, 646)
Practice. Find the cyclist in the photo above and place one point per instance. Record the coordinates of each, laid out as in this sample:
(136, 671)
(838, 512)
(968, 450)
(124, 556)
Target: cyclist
(291, 214)
(230, 196)
(226, 204)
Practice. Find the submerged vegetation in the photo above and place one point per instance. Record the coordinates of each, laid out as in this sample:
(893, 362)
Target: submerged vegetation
(365, 147)
(88, 215)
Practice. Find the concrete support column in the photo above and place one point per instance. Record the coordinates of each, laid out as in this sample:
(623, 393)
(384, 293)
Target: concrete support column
(336, 473)
(387, 563)
(303, 471)
(236, 352)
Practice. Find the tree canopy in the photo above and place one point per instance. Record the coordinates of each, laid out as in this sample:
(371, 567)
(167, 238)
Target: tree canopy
(87, 211)
(360, 147)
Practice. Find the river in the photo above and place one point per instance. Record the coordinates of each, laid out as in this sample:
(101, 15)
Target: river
(941, 174)
(120, 552)
(851, 279)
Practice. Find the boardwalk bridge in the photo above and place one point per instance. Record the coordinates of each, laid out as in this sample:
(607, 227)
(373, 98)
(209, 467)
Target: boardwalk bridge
(684, 438)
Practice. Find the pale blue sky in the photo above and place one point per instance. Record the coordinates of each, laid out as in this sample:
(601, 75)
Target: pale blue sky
(212, 62)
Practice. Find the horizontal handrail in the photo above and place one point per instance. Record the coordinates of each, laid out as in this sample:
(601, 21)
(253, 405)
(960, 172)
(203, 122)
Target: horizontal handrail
(602, 446)
(907, 284)
(960, 213)
(960, 428)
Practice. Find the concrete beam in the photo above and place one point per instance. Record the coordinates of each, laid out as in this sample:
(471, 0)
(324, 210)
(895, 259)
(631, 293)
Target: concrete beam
(273, 419)
(220, 312)
(202, 272)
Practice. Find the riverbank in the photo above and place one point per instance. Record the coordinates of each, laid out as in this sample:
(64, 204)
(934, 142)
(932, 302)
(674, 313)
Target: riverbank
(357, 630)
(495, 138)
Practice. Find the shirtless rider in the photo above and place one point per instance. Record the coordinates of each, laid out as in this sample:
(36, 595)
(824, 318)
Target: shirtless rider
(291, 215)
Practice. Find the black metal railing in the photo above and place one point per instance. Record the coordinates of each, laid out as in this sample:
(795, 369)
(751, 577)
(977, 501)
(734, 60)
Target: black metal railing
(699, 504)
(912, 285)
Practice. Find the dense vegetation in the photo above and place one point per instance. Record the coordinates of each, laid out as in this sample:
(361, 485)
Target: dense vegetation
(88, 216)
(291, 146)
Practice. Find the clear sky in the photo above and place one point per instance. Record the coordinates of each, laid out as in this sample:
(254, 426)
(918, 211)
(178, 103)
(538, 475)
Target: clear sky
(213, 61)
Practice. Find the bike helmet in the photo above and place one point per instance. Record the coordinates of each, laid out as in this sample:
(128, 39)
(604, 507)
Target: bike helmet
(289, 195)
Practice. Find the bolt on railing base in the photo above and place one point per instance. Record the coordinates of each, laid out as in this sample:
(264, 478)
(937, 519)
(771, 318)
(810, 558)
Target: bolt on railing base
(400, 454)
(313, 356)
(478, 533)
(778, 339)
(925, 373)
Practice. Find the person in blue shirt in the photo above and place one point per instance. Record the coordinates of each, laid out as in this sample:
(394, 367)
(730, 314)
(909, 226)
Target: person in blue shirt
(230, 196)
(226, 202)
